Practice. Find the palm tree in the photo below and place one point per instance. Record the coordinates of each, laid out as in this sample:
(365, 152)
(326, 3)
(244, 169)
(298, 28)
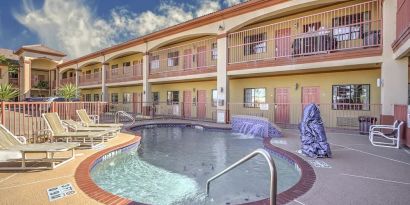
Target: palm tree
(68, 91)
(8, 92)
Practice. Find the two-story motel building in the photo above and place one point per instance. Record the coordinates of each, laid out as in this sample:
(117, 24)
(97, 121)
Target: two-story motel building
(260, 51)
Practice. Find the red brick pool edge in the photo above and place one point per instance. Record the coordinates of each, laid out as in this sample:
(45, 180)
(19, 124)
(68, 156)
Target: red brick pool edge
(87, 185)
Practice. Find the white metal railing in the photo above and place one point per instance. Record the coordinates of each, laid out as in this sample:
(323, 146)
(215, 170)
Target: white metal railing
(272, 169)
(349, 27)
(196, 55)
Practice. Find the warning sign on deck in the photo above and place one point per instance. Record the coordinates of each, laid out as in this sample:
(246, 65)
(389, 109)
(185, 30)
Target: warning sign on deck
(60, 191)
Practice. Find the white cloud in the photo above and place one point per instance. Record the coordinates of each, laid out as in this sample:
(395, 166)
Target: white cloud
(72, 27)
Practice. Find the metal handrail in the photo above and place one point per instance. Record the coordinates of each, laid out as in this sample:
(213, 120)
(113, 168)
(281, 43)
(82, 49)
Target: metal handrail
(125, 114)
(272, 168)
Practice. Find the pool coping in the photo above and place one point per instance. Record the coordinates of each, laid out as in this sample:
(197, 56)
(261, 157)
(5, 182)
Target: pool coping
(87, 185)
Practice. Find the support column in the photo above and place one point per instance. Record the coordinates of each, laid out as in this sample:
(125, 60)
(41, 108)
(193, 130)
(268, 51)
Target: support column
(146, 86)
(394, 73)
(25, 76)
(104, 90)
(77, 77)
(222, 81)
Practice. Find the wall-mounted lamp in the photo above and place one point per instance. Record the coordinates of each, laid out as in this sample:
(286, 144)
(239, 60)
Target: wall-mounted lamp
(380, 82)
(296, 86)
(221, 27)
(144, 92)
(222, 89)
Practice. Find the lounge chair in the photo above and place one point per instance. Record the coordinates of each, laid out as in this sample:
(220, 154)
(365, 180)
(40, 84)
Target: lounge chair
(379, 137)
(93, 120)
(59, 132)
(10, 143)
(78, 127)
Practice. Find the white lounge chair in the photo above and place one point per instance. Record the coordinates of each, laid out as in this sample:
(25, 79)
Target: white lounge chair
(379, 137)
(15, 146)
(93, 120)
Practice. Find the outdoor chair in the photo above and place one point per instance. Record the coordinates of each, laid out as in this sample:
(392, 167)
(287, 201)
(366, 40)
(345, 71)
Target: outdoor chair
(9, 143)
(78, 127)
(93, 121)
(379, 137)
(59, 132)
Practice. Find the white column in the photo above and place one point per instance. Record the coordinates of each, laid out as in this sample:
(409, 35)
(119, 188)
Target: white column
(146, 86)
(104, 90)
(394, 73)
(222, 81)
(25, 79)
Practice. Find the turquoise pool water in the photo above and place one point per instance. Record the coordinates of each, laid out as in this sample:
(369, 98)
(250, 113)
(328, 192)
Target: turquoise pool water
(173, 164)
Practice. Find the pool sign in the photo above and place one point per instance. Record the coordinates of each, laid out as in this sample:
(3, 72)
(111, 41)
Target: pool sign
(60, 191)
(264, 106)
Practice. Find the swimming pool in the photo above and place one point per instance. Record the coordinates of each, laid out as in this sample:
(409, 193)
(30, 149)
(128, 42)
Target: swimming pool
(173, 163)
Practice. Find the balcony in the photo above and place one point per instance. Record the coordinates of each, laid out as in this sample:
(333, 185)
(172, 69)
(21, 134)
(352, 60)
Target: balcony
(191, 58)
(403, 23)
(90, 79)
(67, 80)
(124, 74)
(40, 84)
(353, 31)
(14, 82)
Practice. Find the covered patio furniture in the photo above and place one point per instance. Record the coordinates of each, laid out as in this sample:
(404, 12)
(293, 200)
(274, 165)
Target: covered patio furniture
(9, 143)
(386, 135)
(312, 133)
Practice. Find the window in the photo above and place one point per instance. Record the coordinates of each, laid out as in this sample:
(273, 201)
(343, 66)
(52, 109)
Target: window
(114, 97)
(311, 27)
(254, 96)
(126, 64)
(173, 59)
(350, 27)
(214, 51)
(114, 66)
(255, 44)
(126, 98)
(96, 70)
(172, 97)
(351, 97)
(154, 62)
(214, 96)
(96, 97)
(155, 98)
(87, 97)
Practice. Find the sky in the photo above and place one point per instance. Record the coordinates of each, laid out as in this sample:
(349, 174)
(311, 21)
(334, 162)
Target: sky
(79, 27)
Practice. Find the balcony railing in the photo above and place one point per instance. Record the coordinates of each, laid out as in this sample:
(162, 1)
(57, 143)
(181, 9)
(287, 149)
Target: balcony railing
(351, 27)
(124, 74)
(403, 18)
(196, 57)
(90, 79)
(67, 80)
(14, 82)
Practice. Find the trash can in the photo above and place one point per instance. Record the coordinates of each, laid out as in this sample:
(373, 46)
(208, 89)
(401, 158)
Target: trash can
(364, 124)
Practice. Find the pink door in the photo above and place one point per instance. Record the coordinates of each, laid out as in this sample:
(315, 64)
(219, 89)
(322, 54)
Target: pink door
(187, 59)
(310, 95)
(201, 106)
(137, 102)
(201, 53)
(282, 105)
(187, 103)
(283, 43)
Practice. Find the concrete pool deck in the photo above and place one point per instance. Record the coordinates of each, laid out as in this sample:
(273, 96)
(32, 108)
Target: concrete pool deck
(359, 173)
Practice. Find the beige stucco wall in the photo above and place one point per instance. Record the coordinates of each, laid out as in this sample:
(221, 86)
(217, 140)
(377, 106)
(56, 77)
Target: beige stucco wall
(4, 75)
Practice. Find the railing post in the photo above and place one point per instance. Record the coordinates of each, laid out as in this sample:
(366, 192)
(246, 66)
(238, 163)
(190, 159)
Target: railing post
(53, 107)
(3, 115)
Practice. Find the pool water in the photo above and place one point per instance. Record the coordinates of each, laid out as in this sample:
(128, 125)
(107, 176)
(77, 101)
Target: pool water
(172, 165)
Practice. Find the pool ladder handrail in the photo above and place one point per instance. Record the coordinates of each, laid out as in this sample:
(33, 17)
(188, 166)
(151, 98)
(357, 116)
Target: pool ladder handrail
(125, 114)
(272, 168)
